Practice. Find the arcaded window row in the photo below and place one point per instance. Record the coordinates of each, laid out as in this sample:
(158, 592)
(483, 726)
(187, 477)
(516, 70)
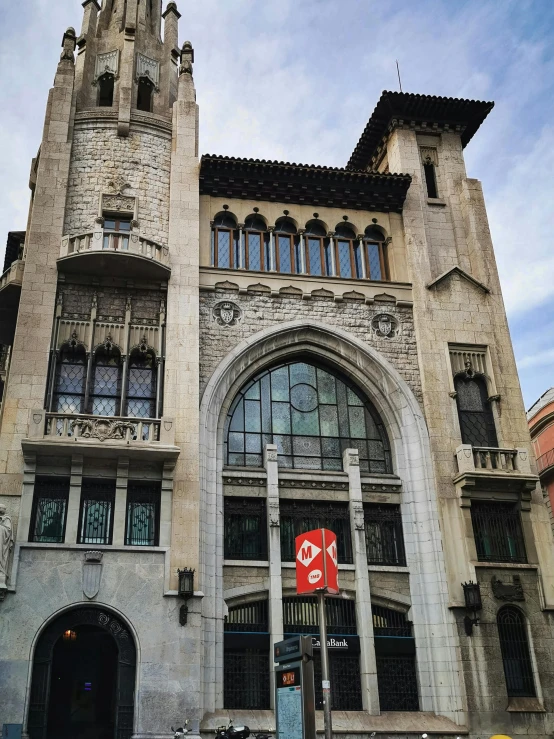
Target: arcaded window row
(285, 248)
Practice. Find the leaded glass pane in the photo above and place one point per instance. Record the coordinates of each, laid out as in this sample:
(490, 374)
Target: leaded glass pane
(70, 381)
(345, 267)
(314, 250)
(255, 245)
(374, 262)
(223, 248)
(284, 406)
(284, 254)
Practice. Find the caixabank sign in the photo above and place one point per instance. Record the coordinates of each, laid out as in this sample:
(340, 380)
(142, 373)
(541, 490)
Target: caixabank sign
(339, 643)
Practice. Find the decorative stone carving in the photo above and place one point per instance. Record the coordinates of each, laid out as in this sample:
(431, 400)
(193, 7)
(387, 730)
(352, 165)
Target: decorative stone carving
(148, 68)
(385, 325)
(6, 544)
(227, 313)
(92, 573)
(271, 455)
(102, 429)
(106, 63)
(118, 203)
(429, 155)
(273, 512)
(509, 592)
(187, 59)
(358, 511)
(352, 458)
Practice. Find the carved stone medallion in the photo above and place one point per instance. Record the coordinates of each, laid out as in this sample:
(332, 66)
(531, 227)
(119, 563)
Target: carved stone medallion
(507, 591)
(385, 325)
(227, 313)
(92, 573)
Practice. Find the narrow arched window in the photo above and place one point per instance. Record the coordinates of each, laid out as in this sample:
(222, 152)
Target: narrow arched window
(141, 388)
(348, 252)
(105, 397)
(105, 90)
(474, 410)
(287, 247)
(256, 244)
(225, 242)
(319, 260)
(375, 254)
(516, 657)
(71, 372)
(145, 94)
(311, 414)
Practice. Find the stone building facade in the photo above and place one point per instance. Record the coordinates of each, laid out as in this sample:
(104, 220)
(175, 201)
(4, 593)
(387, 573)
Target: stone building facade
(205, 357)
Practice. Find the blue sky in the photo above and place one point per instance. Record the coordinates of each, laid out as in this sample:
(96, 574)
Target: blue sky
(297, 80)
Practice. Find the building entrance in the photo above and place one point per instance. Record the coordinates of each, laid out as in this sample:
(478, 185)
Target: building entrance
(83, 678)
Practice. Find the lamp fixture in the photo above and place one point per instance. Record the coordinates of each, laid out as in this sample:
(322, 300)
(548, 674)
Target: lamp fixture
(472, 597)
(186, 591)
(69, 635)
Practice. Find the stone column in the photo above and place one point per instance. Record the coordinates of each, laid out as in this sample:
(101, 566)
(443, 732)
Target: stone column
(275, 594)
(27, 494)
(301, 232)
(120, 506)
(364, 620)
(271, 266)
(74, 502)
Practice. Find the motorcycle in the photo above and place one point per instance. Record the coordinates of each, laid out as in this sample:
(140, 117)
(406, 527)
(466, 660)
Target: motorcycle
(237, 732)
(181, 731)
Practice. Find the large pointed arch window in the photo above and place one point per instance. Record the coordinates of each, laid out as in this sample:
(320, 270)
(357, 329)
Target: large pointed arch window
(474, 410)
(71, 372)
(516, 657)
(141, 388)
(105, 397)
(311, 414)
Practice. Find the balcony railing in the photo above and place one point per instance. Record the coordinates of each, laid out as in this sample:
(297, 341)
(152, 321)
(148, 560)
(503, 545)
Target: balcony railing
(545, 461)
(492, 460)
(13, 275)
(111, 241)
(101, 428)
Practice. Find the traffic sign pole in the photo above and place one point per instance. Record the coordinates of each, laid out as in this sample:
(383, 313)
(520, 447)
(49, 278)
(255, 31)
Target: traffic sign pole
(325, 680)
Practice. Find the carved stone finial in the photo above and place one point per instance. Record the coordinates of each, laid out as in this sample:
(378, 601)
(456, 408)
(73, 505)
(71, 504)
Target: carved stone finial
(69, 42)
(187, 59)
(108, 343)
(6, 544)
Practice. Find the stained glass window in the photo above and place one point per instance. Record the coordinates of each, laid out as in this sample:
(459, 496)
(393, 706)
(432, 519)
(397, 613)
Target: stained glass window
(106, 383)
(70, 380)
(311, 415)
(141, 389)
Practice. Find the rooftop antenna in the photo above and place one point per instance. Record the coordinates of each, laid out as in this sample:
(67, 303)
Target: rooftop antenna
(399, 80)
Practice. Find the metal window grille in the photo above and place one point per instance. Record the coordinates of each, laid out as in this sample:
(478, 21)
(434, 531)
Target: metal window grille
(141, 388)
(71, 373)
(299, 517)
(96, 515)
(248, 617)
(106, 384)
(397, 683)
(474, 411)
(498, 532)
(387, 622)
(300, 615)
(311, 415)
(346, 687)
(143, 514)
(516, 657)
(246, 679)
(245, 535)
(49, 512)
(383, 535)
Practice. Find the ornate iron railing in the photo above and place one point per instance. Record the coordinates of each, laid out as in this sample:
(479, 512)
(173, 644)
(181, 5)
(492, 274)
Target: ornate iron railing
(101, 428)
(297, 518)
(245, 535)
(49, 510)
(387, 622)
(300, 615)
(248, 617)
(546, 460)
(143, 514)
(498, 532)
(96, 514)
(123, 243)
(383, 535)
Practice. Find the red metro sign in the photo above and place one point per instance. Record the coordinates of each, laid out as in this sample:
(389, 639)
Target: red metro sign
(316, 562)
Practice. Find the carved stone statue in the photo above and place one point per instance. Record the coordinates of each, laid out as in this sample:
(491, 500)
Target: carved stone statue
(6, 544)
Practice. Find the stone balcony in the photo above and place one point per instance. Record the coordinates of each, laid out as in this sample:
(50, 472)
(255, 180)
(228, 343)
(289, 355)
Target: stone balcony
(101, 436)
(126, 255)
(491, 467)
(10, 292)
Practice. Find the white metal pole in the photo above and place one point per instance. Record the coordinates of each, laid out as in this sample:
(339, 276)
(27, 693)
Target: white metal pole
(325, 681)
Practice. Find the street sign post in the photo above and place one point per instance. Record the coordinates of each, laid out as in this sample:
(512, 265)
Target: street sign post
(294, 688)
(317, 571)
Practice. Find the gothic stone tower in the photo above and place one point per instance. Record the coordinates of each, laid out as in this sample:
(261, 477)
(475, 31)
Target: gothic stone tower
(209, 357)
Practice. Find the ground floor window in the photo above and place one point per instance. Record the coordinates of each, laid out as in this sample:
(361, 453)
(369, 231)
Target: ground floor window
(246, 658)
(346, 688)
(396, 660)
(49, 510)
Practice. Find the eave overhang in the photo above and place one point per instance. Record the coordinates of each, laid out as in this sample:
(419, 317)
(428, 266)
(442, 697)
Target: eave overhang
(419, 112)
(301, 184)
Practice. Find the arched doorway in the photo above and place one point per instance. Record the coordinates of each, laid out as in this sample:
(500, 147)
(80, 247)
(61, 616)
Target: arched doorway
(83, 681)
